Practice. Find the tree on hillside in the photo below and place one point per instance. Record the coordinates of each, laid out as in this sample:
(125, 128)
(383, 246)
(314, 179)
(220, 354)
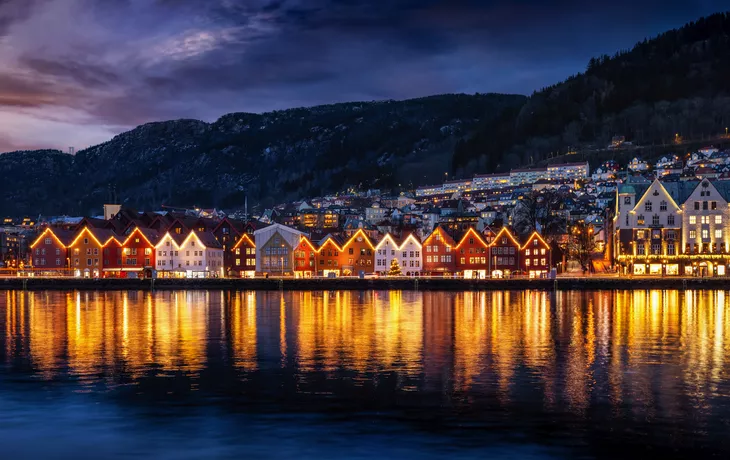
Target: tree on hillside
(394, 268)
(539, 211)
(582, 244)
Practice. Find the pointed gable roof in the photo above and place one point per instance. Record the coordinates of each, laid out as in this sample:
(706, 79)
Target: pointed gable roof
(504, 231)
(445, 236)
(360, 233)
(62, 237)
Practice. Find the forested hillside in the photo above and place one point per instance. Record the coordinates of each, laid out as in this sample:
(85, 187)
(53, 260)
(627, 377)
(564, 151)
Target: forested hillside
(676, 83)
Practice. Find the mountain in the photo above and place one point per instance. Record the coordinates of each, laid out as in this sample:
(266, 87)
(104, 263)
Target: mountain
(268, 157)
(676, 83)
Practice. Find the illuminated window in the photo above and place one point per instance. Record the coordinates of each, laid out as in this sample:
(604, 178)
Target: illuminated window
(527, 252)
(705, 219)
(640, 219)
(692, 234)
(718, 220)
(718, 233)
(527, 262)
(705, 234)
(692, 220)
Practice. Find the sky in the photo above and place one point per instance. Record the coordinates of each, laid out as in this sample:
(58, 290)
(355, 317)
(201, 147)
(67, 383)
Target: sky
(77, 72)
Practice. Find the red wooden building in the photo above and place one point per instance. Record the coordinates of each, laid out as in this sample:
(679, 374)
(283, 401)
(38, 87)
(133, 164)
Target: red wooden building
(439, 258)
(242, 257)
(504, 254)
(472, 255)
(49, 249)
(139, 251)
(305, 258)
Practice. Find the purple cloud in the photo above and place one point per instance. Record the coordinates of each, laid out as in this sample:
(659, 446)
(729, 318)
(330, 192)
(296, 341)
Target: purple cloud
(76, 72)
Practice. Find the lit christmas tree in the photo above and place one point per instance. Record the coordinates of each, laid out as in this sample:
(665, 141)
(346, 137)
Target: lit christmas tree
(394, 268)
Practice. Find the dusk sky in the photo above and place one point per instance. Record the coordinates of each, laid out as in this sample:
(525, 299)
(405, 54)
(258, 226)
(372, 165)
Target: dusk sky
(77, 72)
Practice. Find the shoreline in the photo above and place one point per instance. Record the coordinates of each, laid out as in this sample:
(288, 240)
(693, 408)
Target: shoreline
(334, 284)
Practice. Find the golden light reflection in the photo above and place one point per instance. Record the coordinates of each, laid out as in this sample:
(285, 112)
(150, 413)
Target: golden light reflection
(648, 350)
(243, 330)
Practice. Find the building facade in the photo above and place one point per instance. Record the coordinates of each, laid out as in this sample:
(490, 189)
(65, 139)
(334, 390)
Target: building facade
(472, 256)
(439, 258)
(504, 254)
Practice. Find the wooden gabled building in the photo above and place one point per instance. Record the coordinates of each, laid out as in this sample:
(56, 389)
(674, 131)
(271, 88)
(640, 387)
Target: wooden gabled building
(49, 250)
(504, 254)
(472, 255)
(358, 255)
(439, 257)
(535, 256)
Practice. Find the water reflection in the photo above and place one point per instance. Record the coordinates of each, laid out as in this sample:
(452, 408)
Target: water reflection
(646, 355)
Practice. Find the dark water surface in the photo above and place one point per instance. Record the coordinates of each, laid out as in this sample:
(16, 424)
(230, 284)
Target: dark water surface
(213, 374)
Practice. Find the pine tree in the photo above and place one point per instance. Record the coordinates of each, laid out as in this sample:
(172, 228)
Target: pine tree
(394, 268)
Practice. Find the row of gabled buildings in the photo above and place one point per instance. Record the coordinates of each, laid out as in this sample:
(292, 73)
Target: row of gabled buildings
(138, 246)
(130, 244)
(471, 254)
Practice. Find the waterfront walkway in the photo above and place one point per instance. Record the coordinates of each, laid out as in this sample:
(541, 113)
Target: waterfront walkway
(591, 282)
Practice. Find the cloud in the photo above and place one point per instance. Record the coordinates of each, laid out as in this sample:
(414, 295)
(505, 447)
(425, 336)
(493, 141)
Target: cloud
(102, 66)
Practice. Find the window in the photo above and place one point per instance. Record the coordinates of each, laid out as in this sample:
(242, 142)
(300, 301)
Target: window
(647, 206)
(670, 249)
(705, 234)
(670, 219)
(714, 205)
(718, 221)
(692, 234)
(534, 242)
(640, 219)
(697, 205)
(670, 235)
(655, 219)
(640, 249)
(704, 205)
(705, 219)
(656, 248)
(543, 262)
(718, 234)
(86, 241)
(692, 220)
(527, 262)
(48, 241)
(627, 219)
(663, 206)
(527, 252)
(542, 252)
(351, 251)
